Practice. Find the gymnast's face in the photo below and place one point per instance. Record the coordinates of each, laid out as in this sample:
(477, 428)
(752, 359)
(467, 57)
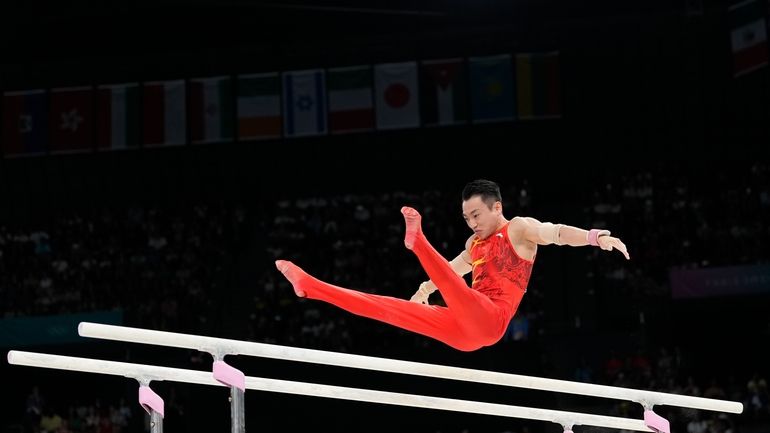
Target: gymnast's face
(482, 219)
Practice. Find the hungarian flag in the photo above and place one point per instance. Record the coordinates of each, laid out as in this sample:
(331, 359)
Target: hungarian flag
(304, 96)
(444, 92)
(537, 86)
(748, 36)
(211, 109)
(396, 93)
(118, 116)
(351, 108)
(164, 115)
(259, 106)
(25, 122)
(71, 119)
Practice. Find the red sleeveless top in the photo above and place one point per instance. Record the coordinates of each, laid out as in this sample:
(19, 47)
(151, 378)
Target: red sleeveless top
(498, 271)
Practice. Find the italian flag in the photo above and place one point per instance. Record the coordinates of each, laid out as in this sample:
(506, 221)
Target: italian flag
(211, 109)
(351, 108)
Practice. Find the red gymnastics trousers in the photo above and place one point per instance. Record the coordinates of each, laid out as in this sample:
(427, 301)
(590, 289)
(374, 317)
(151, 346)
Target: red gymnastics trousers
(474, 317)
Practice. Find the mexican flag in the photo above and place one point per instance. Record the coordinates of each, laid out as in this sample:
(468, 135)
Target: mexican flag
(748, 36)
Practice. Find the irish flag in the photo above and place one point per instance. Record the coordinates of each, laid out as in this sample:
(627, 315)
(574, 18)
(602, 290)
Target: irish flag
(259, 106)
(211, 109)
(350, 99)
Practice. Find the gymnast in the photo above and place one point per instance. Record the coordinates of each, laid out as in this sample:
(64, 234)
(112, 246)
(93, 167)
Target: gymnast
(499, 254)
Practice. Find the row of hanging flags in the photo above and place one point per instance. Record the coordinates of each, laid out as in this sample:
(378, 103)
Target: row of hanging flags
(288, 104)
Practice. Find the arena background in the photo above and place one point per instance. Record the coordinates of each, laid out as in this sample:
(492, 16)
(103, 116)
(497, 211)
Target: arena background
(660, 134)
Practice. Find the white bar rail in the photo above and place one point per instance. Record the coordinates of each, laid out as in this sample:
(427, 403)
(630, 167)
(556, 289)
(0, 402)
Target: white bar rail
(236, 347)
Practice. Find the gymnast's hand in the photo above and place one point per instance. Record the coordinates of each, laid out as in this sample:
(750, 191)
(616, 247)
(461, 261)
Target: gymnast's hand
(609, 243)
(422, 293)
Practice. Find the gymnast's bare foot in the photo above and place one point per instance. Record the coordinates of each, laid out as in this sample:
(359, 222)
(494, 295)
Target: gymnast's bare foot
(413, 222)
(294, 274)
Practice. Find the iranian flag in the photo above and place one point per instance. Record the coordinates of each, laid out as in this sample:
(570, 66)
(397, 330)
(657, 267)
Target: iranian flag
(259, 106)
(396, 95)
(118, 116)
(444, 92)
(164, 115)
(211, 113)
(748, 36)
(350, 99)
